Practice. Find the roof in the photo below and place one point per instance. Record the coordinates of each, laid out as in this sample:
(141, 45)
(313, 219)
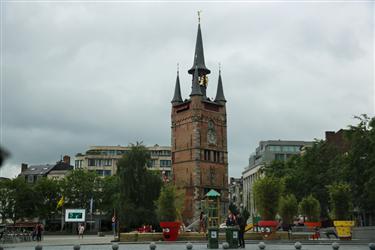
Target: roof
(62, 166)
(38, 170)
(212, 193)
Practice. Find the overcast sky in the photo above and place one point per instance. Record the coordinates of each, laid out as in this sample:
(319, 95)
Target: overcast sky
(95, 73)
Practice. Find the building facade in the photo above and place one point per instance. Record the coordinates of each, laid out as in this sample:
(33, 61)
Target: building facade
(103, 159)
(266, 153)
(199, 139)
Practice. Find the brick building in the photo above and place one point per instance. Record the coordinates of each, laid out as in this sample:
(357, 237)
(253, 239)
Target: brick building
(199, 139)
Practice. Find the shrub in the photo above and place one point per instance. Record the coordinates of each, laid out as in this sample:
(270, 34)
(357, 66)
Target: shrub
(310, 207)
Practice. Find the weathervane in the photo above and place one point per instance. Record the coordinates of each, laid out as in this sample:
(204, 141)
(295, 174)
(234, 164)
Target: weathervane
(178, 68)
(199, 16)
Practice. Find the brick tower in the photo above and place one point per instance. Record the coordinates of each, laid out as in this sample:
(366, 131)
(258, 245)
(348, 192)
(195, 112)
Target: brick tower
(199, 139)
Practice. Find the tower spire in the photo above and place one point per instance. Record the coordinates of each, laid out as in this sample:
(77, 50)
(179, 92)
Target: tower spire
(220, 92)
(199, 54)
(195, 88)
(177, 90)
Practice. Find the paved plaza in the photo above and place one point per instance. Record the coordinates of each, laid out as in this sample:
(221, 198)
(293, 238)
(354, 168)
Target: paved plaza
(66, 242)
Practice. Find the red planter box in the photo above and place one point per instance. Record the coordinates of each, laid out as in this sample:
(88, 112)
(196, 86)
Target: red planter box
(170, 230)
(268, 223)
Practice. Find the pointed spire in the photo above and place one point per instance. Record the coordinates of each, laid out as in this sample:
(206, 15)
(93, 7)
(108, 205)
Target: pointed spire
(195, 88)
(177, 90)
(220, 92)
(199, 54)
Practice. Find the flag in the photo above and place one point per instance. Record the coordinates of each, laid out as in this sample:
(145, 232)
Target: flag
(61, 202)
(91, 204)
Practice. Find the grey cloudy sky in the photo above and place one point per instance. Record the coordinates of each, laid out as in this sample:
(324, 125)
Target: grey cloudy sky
(102, 73)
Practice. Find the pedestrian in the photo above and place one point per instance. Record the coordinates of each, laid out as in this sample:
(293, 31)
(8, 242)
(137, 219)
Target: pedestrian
(241, 233)
(39, 230)
(202, 222)
(81, 230)
(231, 219)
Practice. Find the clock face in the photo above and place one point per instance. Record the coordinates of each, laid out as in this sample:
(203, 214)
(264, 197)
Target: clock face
(211, 136)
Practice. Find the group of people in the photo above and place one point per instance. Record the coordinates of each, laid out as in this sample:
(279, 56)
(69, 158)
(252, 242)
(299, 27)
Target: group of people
(237, 220)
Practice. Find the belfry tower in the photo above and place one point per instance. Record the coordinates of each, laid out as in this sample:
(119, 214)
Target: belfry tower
(199, 139)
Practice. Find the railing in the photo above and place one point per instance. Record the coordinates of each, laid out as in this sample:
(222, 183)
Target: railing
(225, 245)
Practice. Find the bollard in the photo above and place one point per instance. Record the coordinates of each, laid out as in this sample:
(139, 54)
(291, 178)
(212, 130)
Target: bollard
(115, 246)
(261, 245)
(225, 245)
(335, 246)
(38, 247)
(298, 245)
(1, 248)
(371, 246)
(152, 246)
(189, 246)
(77, 247)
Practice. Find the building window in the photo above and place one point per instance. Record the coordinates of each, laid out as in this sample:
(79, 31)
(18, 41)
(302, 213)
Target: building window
(165, 163)
(279, 157)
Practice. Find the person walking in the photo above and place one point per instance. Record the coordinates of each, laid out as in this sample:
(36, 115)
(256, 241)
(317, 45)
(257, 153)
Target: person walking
(39, 230)
(81, 230)
(241, 233)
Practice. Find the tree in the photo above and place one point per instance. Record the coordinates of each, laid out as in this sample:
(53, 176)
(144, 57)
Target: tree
(110, 194)
(267, 193)
(79, 187)
(169, 203)
(6, 200)
(309, 207)
(360, 163)
(340, 200)
(288, 208)
(47, 194)
(139, 188)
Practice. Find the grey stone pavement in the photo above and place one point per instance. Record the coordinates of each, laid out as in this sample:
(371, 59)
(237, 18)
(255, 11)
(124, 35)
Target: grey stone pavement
(66, 242)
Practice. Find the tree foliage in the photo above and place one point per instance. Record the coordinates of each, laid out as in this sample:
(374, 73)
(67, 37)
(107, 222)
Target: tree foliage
(170, 203)
(325, 163)
(309, 207)
(47, 194)
(139, 188)
(340, 200)
(267, 193)
(288, 208)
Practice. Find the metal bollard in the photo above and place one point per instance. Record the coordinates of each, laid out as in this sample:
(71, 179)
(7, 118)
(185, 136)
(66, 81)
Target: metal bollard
(1, 248)
(114, 246)
(371, 246)
(152, 246)
(77, 247)
(261, 245)
(189, 246)
(335, 246)
(225, 245)
(38, 247)
(298, 245)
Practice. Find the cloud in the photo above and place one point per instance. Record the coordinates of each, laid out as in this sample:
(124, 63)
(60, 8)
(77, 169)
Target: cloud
(80, 74)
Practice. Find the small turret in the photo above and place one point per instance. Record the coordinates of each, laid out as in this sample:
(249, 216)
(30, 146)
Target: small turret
(177, 91)
(220, 98)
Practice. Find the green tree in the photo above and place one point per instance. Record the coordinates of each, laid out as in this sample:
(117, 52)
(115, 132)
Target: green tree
(267, 193)
(169, 203)
(47, 194)
(139, 188)
(79, 187)
(309, 207)
(109, 195)
(360, 163)
(7, 201)
(288, 208)
(340, 200)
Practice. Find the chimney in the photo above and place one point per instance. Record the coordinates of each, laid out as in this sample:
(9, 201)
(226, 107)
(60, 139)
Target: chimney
(330, 135)
(66, 159)
(23, 167)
